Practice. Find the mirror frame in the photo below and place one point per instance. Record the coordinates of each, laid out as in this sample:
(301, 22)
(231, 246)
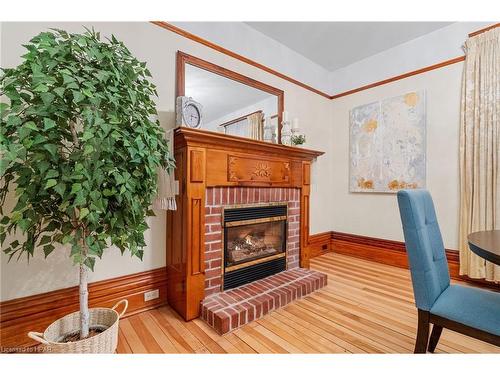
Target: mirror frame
(184, 58)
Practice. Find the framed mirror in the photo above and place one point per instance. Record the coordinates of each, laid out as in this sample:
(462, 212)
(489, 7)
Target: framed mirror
(231, 103)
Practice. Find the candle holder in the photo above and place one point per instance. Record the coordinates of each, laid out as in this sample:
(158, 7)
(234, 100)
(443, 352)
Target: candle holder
(286, 133)
(268, 131)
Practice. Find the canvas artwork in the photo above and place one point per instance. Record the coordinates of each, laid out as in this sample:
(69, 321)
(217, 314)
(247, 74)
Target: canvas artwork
(387, 144)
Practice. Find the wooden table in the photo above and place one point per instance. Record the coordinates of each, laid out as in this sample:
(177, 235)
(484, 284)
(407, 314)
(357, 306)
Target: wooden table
(486, 244)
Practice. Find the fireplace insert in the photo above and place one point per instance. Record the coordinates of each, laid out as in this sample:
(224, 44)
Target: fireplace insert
(254, 242)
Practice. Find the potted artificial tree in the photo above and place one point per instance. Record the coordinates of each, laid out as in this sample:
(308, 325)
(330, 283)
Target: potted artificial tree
(79, 152)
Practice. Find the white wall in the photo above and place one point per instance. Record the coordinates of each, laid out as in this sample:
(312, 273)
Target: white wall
(438, 46)
(158, 47)
(377, 215)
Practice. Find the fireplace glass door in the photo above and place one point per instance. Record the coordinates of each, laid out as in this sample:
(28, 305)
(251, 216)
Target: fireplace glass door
(254, 240)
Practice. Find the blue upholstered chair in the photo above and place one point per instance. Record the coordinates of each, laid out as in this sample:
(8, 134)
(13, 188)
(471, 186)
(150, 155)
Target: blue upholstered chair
(471, 311)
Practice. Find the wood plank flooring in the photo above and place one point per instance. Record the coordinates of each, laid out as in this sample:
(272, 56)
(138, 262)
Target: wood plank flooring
(367, 307)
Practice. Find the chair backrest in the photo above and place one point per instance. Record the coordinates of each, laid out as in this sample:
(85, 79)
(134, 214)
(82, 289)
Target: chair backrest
(424, 247)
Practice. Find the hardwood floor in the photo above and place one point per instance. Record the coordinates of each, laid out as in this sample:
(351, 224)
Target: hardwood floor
(367, 307)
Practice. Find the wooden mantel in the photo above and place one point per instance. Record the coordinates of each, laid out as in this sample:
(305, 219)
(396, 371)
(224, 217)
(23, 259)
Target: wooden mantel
(206, 159)
(196, 137)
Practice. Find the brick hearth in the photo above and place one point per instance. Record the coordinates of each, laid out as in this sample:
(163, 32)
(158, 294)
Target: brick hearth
(231, 309)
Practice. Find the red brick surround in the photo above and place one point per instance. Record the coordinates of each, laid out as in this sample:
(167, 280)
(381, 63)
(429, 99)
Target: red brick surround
(236, 307)
(217, 198)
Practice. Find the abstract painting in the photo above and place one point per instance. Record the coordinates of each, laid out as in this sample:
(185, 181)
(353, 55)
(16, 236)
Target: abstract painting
(387, 144)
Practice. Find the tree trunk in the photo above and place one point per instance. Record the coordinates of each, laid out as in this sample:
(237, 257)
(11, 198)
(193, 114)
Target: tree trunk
(84, 271)
(84, 296)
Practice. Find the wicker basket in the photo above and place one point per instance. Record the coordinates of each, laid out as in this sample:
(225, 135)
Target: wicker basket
(104, 342)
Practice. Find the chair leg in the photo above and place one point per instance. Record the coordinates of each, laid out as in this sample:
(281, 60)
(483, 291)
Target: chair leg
(422, 332)
(435, 335)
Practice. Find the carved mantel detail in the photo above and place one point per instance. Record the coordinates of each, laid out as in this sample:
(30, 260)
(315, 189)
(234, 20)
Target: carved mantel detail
(257, 169)
(262, 170)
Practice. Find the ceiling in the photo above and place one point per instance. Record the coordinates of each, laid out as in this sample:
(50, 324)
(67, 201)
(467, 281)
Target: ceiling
(219, 95)
(334, 45)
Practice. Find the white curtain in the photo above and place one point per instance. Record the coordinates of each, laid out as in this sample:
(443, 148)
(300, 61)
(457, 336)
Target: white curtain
(167, 189)
(255, 130)
(480, 149)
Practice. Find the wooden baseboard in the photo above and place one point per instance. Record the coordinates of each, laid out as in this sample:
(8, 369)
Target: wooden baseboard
(382, 251)
(35, 313)
(319, 244)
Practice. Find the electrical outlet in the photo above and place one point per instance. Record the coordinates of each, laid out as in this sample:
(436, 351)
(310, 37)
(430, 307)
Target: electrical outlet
(152, 294)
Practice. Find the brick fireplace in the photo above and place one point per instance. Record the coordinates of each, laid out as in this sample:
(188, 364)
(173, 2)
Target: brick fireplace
(218, 173)
(220, 198)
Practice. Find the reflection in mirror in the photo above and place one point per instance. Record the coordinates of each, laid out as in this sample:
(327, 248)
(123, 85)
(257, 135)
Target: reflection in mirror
(229, 106)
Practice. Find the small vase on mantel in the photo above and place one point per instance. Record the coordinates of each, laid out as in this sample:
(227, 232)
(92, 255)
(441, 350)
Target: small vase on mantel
(297, 138)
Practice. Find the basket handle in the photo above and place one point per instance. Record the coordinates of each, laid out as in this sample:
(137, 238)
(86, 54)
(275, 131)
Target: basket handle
(37, 336)
(125, 303)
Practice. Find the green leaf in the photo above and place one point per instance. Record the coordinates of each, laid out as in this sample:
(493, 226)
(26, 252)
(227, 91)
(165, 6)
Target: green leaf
(80, 199)
(3, 109)
(45, 240)
(68, 79)
(76, 187)
(88, 149)
(50, 183)
(83, 212)
(87, 134)
(4, 164)
(30, 125)
(24, 224)
(51, 148)
(47, 249)
(108, 192)
(43, 166)
(16, 216)
(59, 91)
(41, 88)
(48, 123)
(23, 132)
(77, 96)
(89, 262)
(60, 188)
(51, 173)
(47, 98)
(88, 93)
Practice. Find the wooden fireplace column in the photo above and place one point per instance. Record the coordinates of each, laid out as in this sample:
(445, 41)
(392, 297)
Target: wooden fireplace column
(206, 159)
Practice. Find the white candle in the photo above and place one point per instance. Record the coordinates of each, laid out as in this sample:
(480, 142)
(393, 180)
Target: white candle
(285, 116)
(295, 124)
